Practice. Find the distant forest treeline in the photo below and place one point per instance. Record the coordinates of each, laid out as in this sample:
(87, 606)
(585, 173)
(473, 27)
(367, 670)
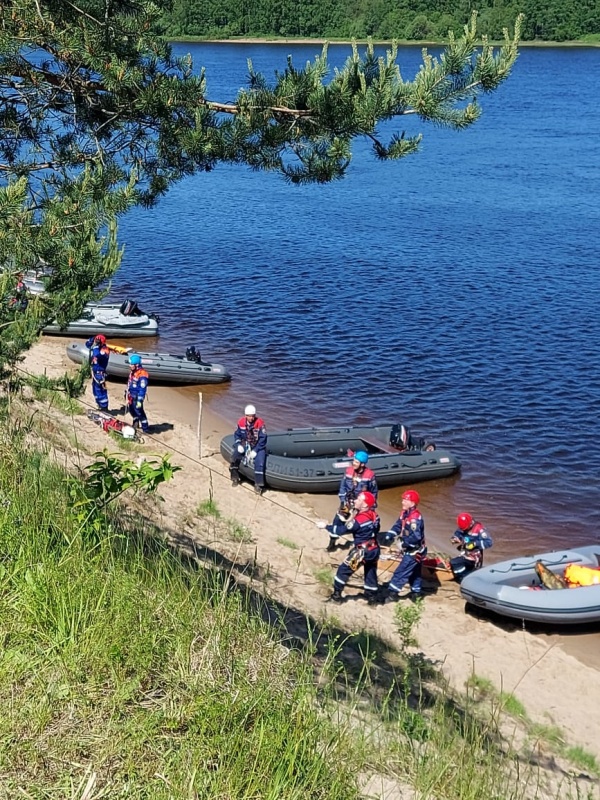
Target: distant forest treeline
(557, 20)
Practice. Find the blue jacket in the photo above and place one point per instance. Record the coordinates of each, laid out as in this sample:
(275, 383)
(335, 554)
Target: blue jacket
(137, 385)
(364, 527)
(410, 529)
(99, 355)
(254, 435)
(476, 538)
(353, 483)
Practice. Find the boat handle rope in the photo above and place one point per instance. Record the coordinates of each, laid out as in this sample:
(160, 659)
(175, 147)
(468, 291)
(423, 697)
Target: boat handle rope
(519, 567)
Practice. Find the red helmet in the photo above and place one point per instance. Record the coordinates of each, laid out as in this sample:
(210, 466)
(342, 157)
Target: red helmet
(369, 499)
(464, 521)
(101, 338)
(412, 496)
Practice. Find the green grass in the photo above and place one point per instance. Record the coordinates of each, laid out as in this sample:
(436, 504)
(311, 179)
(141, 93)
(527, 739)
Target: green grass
(238, 532)
(287, 543)
(406, 618)
(482, 690)
(208, 508)
(550, 734)
(581, 758)
(480, 687)
(512, 705)
(118, 659)
(58, 400)
(324, 576)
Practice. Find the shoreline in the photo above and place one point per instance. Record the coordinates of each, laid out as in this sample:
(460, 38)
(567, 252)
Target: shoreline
(544, 670)
(377, 42)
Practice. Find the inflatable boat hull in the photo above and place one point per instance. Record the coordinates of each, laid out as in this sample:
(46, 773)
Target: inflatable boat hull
(107, 319)
(163, 367)
(513, 588)
(314, 459)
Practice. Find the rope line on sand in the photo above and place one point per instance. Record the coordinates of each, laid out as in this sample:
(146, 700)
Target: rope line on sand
(172, 449)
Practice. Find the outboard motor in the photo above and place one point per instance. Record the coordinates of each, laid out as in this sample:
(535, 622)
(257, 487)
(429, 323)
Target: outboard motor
(400, 437)
(192, 354)
(129, 308)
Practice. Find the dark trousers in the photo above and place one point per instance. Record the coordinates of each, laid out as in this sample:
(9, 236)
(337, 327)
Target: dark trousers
(260, 463)
(100, 391)
(369, 565)
(461, 566)
(407, 571)
(139, 416)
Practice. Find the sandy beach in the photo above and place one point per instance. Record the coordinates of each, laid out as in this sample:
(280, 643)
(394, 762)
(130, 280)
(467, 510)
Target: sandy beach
(555, 676)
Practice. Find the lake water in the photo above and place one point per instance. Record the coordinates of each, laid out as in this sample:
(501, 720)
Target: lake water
(455, 291)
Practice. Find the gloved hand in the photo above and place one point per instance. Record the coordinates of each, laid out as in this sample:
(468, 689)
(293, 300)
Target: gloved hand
(321, 523)
(138, 404)
(456, 540)
(240, 448)
(252, 454)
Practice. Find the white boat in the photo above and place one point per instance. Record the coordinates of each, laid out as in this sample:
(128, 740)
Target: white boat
(124, 320)
(164, 367)
(34, 281)
(513, 588)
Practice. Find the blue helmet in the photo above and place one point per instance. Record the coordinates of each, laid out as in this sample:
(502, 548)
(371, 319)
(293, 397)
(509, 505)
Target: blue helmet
(361, 456)
(135, 360)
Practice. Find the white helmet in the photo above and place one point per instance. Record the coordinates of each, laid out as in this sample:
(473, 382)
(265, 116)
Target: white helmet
(250, 411)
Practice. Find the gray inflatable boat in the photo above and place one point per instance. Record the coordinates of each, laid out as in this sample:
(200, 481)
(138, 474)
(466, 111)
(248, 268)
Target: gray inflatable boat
(314, 459)
(513, 588)
(163, 367)
(124, 320)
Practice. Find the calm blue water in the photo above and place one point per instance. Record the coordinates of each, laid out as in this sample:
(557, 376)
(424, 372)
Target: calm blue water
(455, 291)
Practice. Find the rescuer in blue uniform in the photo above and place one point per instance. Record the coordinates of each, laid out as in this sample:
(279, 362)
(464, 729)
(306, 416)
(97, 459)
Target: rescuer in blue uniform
(409, 532)
(99, 355)
(250, 446)
(364, 526)
(357, 478)
(137, 386)
(471, 539)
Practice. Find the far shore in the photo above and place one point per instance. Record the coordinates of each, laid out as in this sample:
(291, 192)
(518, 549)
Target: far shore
(384, 42)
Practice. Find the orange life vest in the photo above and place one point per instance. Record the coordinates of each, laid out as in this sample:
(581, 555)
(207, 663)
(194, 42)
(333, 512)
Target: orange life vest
(576, 575)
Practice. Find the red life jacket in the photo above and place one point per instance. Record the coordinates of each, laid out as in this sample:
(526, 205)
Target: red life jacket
(252, 431)
(365, 474)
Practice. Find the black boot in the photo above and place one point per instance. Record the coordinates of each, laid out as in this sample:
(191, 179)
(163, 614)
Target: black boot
(372, 599)
(235, 477)
(415, 597)
(331, 544)
(336, 596)
(259, 489)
